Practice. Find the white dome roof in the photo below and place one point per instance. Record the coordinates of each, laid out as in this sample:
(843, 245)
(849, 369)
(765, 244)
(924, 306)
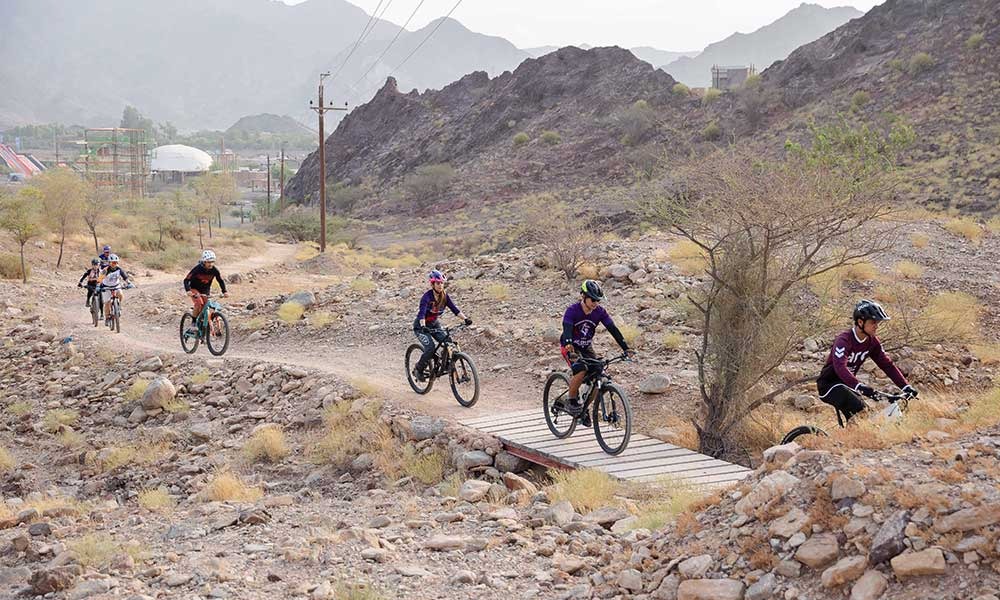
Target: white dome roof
(178, 157)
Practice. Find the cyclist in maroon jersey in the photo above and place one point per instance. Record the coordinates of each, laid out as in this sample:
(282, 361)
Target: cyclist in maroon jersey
(837, 383)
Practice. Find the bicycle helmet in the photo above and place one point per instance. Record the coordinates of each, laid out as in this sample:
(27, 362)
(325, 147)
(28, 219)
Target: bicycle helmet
(95, 261)
(208, 256)
(113, 258)
(106, 248)
(869, 309)
(592, 290)
(435, 276)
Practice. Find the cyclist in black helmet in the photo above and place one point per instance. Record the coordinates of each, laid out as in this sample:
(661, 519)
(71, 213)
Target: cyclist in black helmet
(837, 383)
(579, 326)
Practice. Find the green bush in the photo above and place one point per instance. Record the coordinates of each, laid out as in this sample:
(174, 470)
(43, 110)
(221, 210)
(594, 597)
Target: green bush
(920, 62)
(10, 267)
(681, 90)
(711, 95)
(296, 223)
(974, 41)
(897, 65)
(859, 99)
(752, 82)
(551, 138)
(164, 260)
(636, 121)
(428, 182)
(711, 132)
(521, 139)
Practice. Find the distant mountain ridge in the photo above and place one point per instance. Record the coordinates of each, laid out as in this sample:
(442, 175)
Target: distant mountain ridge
(653, 56)
(762, 47)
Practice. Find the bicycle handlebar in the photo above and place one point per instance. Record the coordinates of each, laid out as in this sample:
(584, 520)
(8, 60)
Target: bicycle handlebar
(893, 396)
(605, 361)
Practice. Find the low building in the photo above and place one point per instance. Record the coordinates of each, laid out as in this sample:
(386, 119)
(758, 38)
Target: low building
(174, 162)
(727, 78)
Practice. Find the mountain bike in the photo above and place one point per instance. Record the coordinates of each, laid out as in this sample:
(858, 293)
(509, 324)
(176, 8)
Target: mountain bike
(611, 414)
(96, 307)
(448, 361)
(898, 403)
(114, 317)
(211, 326)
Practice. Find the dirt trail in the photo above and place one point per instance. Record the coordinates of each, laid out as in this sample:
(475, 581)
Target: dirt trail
(379, 366)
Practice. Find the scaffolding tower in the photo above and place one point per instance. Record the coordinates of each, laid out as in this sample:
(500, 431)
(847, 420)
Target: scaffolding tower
(116, 159)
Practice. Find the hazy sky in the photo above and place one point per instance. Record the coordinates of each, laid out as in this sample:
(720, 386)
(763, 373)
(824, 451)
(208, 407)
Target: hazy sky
(664, 24)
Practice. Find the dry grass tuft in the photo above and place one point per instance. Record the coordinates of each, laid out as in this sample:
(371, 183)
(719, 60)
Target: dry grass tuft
(966, 228)
(688, 257)
(142, 453)
(675, 498)
(909, 270)
(306, 251)
(672, 340)
(94, 549)
(255, 324)
(136, 390)
(957, 311)
(920, 240)
(201, 377)
(19, 409)
(227, 487)
(7, 462)
(267, 444)
(363, 286)
(57, 418)
(156, 500)
(632, 334)
(993, 225)
(585, 489)
(291, 312)
(687, 435)
(322, 319)
(860, 272)
(988, 354)
(499, 292)
(982, 413)
(397, 461)
(69, 439)
(348, 435)
(357, 591)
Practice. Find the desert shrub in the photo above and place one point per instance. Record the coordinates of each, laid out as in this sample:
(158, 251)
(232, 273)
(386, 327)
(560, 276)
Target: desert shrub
(136, 390)
(636, 122)
(156, 499)
(551, 138)
(227, 487)
(291, 312)
(498, 291)
(10, 267)
(711, 132)
(860, 99)
(920, 240)
(296, 223)
(680, 89)
(427, 183)
(859, 271)
(521, 139)
(585, 489)
(322, 319)
(567, 239)
(920, 63)
(897, 64)
(909, 270)
(19, 408)
(974, 41)
(957, 312)
(364, 286)
(94, 549)
(70, 439)
(993, 225)
(348, 435)
(966, 228)
(267, 444)
(7, 462)
(57, 418)
(711, 95)
(164, 260)
(675, 497)
(345, 198)
(201, 377)
(672, 340)
(632, 334)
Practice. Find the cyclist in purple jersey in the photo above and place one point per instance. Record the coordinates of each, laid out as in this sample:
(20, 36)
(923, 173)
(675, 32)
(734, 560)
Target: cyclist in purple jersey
(579, 326)
(837, 383)
(426, 326)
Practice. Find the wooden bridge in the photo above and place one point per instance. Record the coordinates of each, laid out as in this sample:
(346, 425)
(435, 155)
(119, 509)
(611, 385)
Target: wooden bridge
(526, 435)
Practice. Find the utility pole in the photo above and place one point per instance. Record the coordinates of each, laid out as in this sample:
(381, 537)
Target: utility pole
(268, 185)
(281, 192)
(321, 111)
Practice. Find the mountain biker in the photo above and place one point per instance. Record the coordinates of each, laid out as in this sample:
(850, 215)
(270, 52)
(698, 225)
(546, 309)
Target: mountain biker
(579, 326)
(111, 281)
(426, 326)
(105, 256)
(91, 275)
(837, 383)
(198, 284)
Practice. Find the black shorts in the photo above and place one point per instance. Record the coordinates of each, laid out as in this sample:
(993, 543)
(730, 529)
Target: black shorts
(579, 366)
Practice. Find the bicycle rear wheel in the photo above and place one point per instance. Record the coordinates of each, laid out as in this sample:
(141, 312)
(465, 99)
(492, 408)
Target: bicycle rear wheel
(555, 394)
(116, 317)
(612, 419)
(189, 342)
(800, 431)
(217, 338)
(464, 379)
(95, 309)
(412, 356)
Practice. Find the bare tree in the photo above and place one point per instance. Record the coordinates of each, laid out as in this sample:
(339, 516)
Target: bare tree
(20, 215)
(63, 193)
(566, 238)
(216, 189)
(96, 204)
(766, 228)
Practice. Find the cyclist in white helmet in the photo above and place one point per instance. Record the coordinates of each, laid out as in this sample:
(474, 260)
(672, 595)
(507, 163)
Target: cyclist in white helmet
(198, 283)
(111, 282)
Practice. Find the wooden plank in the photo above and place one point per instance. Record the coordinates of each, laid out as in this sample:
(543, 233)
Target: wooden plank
(682, 471)
(504, 418)
(710, 481)
(643, 453)
(565, 445)
(514, 428)
(667, 466)
(541, 439)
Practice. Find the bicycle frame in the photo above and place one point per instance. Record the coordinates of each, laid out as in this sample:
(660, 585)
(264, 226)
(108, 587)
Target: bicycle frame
(210, 306)
(444, 347)
(597, 379)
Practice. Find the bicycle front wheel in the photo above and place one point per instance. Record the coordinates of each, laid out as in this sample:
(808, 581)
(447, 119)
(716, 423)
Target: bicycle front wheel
(189, 342)
(412, 356)
(554, 397)
(217, 339)
(464, 379)
(612, 420)
(800, 431)
(95, 309)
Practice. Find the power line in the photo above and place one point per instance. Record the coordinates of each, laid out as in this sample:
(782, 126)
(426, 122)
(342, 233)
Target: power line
(424, 41)
(364, 34)
(393, 41)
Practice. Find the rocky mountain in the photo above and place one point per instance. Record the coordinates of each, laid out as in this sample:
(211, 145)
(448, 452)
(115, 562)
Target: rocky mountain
(198, 63)
(762, 47)
(267, 123)
(904, 58)
(653, 56)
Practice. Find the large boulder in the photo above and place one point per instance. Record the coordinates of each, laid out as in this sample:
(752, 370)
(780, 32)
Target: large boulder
(818, 551)
(914, 564)
(303, 298)
(969, 519)
(506, 462)
(158, 394)
(658, 383)
(772, 486)
(890, 539)
(474, 490)
(710, 589)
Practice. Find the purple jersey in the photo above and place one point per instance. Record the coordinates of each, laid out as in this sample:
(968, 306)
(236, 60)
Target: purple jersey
(429, 311)
(846, 357)
(584, 326)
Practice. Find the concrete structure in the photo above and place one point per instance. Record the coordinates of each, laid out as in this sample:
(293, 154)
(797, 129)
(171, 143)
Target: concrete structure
(727, 78)
(173, 162)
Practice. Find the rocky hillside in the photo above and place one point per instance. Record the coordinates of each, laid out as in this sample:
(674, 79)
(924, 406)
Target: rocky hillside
(930, 62)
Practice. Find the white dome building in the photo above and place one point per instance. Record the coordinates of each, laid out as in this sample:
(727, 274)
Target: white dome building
(174, 161)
